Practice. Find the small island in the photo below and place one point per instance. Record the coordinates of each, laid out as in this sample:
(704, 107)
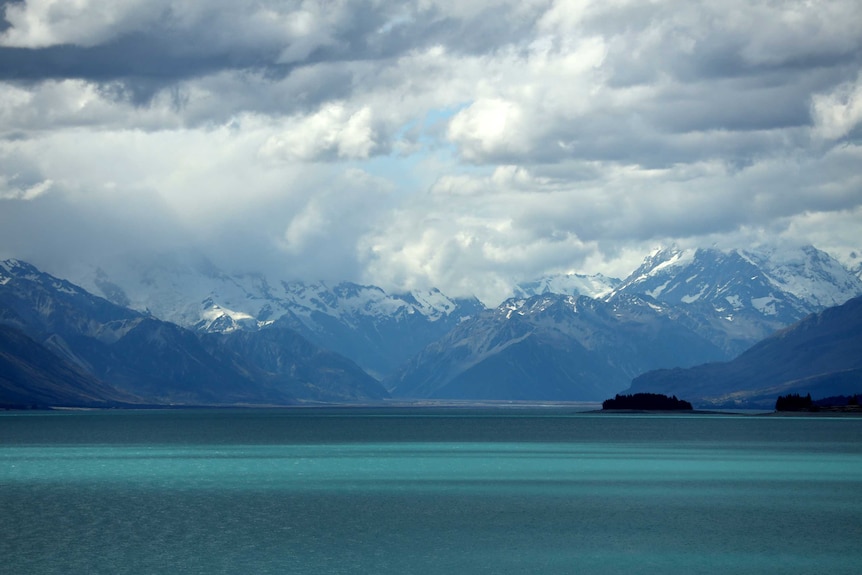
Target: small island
(839, 403)
(646, 402)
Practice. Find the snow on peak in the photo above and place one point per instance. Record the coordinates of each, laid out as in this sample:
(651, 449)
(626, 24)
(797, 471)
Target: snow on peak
(432, 303)
(347, 299)
(16, 268)
(807, 273)
(192, 292)
(594, 286)
(660, 262)
(671, 258)
(219, 319)
(772, 281)
(512, 306)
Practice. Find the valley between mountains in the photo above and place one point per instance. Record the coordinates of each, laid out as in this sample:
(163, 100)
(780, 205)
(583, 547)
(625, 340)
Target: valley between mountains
(716, 327)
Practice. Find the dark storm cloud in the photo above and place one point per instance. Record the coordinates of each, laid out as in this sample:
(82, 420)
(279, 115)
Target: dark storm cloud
(164, 52)
(142, 66)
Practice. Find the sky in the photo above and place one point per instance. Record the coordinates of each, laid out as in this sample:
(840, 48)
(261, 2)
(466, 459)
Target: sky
(459, 144)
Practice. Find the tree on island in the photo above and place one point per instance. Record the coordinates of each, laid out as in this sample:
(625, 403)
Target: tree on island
(794, 402)
(646, 401)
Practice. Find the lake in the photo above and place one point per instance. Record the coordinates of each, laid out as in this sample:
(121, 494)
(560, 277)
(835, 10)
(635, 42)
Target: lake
(428, 491)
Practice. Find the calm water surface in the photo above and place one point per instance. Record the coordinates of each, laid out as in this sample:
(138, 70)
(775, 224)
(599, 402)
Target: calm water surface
(427, 492)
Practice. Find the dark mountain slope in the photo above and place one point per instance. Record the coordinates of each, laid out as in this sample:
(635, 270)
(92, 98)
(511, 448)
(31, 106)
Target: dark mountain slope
(821, 355)
(158, 360)
(32, 376)
(287, 363)
(553, 347)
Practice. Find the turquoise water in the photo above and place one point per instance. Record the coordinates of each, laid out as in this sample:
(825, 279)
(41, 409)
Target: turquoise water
(428, 491)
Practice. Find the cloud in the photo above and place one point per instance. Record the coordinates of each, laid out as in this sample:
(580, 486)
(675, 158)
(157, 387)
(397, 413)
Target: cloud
(459, 144)
(839, 112)
(61, 231)
(43, 23)
(10, 191)
(332, 132)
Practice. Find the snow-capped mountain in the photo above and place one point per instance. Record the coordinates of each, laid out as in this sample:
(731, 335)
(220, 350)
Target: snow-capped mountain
(747, 294)
(376, 329)
(811, 275)
(554, 347)
(812, 278)
(149, 360)
(819, 355)
(678, 308)
(595, 286)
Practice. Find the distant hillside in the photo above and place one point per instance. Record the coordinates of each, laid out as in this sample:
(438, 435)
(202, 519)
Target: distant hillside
(820, 355)
(32, 376)
(553, 347)
(81, 340)
(175, 329)
(377, 330)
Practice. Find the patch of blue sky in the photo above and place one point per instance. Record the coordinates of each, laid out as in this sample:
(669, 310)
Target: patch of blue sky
(421, 153)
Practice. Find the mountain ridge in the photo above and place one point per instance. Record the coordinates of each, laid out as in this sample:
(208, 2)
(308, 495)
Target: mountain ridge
(161, 362)
(578, 348)
(376, 329)
(678, 309)
(820, 355)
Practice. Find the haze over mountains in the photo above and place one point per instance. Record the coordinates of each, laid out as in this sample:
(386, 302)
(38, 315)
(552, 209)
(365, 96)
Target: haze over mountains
(378, 330)
(177, 329)
(148, 360)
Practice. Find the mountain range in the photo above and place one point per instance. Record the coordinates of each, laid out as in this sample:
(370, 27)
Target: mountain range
(820, 355)
(378, 330)
(553, 347)
(176, 329)
(151, 361)
(678, 309)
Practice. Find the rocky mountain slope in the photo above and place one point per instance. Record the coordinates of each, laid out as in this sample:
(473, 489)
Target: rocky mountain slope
(680, 307)
(378, 330)
(32, 376)
(161, 362)
(553, 347)
(820, 355)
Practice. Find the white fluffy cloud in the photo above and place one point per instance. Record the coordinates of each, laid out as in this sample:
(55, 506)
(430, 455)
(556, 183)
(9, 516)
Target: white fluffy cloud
(838, 112)
(42, 23)
(462, 144)
(332, 132)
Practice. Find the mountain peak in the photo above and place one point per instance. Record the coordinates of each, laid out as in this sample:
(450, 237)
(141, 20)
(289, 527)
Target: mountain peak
(573, 284)
(808, 273)
(808, 276)
(661, 260)
(17, 268)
